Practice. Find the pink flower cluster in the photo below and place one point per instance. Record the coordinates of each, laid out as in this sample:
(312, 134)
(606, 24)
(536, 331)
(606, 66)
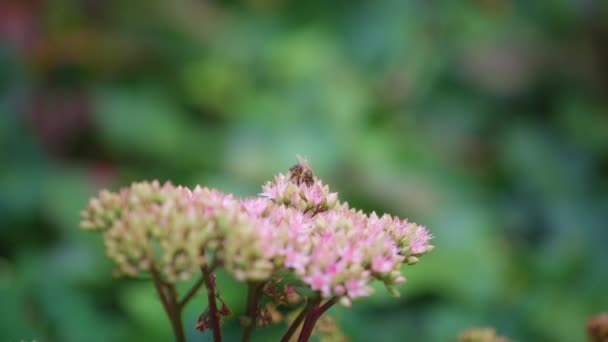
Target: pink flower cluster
(306, 198)
(337, 250)
(296, 225)
(164, 227)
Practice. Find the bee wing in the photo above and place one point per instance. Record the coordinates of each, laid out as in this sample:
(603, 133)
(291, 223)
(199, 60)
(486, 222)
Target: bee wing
(303, 161)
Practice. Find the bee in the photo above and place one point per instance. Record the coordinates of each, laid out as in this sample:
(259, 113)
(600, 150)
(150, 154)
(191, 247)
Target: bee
(302, 172)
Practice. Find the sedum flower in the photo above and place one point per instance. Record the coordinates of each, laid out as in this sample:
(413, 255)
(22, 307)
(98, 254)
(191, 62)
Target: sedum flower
(343, 250)
(187, 229)
(296, 225)
(258, 244)
(307, 197)
(163, 227)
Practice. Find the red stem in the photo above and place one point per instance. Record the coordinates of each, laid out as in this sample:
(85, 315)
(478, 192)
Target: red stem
(310, 304)
(168, 296)
(214, 316)
(177, 312)
(312, 317)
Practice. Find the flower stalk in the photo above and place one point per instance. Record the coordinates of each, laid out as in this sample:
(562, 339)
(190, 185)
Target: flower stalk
(254, 294)
(313, 317)
(167, 295)
(214, 315)
(312, 303)
(192, 292)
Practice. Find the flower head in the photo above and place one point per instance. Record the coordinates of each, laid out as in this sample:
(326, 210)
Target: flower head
(164, 227)
(296, 225)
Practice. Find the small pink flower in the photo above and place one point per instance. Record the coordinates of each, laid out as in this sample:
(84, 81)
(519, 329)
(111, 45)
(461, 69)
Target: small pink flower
(332, 268)
(351, 255)
(314, 194)
(420, 240)
(356, 288)
(326, 237)
(295, 260)
(382, 264)
(254, 206)
(209, 211)
(275, 189)
(319, 282)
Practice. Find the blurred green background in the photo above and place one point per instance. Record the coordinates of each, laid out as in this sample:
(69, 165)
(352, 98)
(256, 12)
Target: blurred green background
(486, 120)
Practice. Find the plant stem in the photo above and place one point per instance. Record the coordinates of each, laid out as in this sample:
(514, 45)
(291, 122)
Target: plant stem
(168, 297)
(310, 304)
(177, 311)
(214, 316)
(254, 291)
(191, 292)
(312, 317)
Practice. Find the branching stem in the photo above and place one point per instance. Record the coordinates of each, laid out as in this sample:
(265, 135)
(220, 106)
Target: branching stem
(193, 290)
(310, 304)
(312, 317)
(168, 297)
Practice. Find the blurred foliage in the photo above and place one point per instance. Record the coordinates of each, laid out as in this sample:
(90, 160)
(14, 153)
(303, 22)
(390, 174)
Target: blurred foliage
(485, 119)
